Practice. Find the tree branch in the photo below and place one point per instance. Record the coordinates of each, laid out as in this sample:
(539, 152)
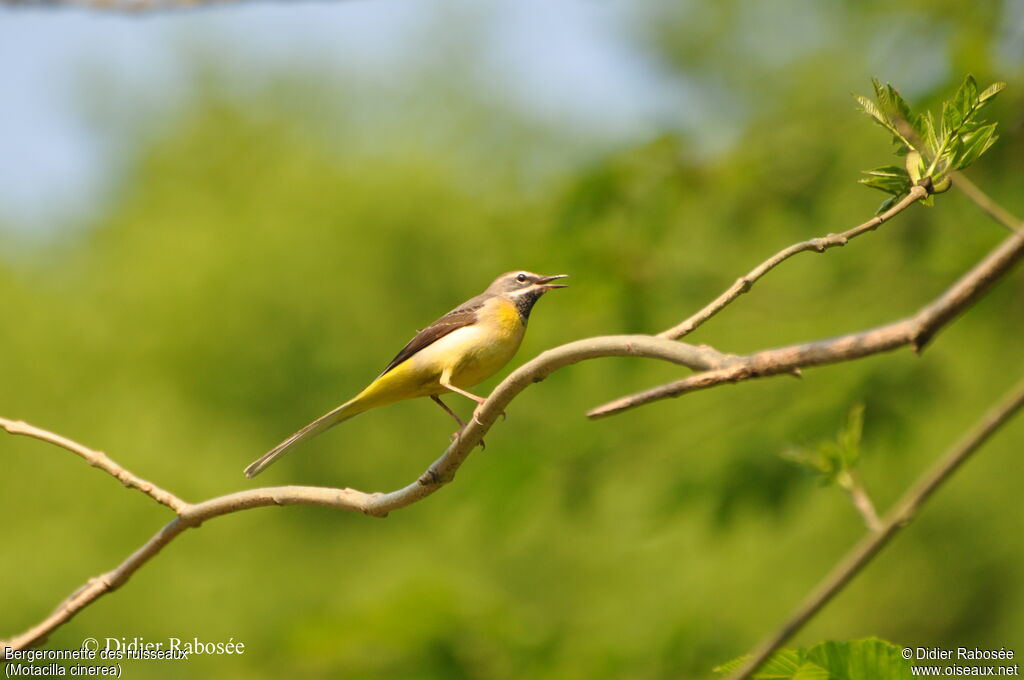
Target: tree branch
(987, 205)
(900, 516)
(862, 502)
(721, 367)
(437, 475)
(97, 459)
(818, 245)
(915, 331)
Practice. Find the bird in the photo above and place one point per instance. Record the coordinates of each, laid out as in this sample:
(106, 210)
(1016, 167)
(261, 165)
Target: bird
(460, 350)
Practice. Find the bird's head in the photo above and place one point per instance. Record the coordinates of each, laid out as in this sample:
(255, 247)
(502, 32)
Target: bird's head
(524, 288)
(519, 282)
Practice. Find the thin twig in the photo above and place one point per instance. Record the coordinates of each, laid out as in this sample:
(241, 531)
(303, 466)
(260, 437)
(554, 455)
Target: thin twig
(442, 471)
(862, 501)
(960, 180)
(987, 205)
(901, 515)
(97, 459)
(818, 245)
(437, 475)
(915, 331)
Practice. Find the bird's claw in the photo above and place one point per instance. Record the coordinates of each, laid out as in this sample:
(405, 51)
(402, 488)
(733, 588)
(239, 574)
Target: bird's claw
(476, 415)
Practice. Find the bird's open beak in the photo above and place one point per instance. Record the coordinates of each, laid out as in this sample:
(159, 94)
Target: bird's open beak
(545, 282)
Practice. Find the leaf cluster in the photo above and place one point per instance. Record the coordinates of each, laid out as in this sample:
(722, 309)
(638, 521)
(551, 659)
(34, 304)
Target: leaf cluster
(833, 460)
(932, 149)
(866, 659)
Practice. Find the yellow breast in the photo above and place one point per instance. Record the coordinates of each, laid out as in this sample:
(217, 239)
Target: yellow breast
(499, 332)
(472, 354)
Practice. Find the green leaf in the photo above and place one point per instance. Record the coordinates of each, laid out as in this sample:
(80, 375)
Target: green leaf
(929, 134)
(951, 120)
(867, 659)
(920, 127)
(961, 106)
(955, 141)
(954, 148)
(817, 459)
(832, 459)
(888, 171)
(881, 117)
(972, 145)
(870, 108)
(811, 671)
(730, 666)
(891, 179)
(876, 85)
(990, 92)
(899, 104)
(899, 113)
(782, 664)
(886, 204)
(849, 437)
(892, 105)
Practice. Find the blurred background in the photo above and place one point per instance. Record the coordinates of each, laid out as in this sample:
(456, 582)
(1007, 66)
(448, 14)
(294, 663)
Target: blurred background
(217, 224)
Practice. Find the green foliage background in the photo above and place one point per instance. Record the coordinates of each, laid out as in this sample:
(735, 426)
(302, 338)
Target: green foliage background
(265, 253)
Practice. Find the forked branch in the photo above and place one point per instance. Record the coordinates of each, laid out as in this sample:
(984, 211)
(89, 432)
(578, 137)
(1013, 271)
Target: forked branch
(817, 245)
(915, 331)
(97, 459)
(439, 473)
(703, 358)
(902, 513)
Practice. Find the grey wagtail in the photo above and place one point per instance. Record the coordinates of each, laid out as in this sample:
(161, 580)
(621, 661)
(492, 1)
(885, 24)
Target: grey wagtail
(461, 349)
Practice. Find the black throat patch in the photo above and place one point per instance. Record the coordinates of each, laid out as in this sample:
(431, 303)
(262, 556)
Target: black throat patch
(525, 301)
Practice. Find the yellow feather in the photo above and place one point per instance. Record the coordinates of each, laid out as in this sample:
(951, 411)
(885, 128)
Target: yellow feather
(465, 357)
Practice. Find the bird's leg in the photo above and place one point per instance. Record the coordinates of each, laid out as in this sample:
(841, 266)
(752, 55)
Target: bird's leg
(447, 384)
(448, 410)
(452, 413)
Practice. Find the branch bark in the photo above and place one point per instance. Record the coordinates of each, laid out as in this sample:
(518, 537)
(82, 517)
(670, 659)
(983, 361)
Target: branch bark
(986, 204)
(440, 472)
(861, 499)
(817, 245)
(701, 358)
(915, 331)
(903, 512)
(97, 459)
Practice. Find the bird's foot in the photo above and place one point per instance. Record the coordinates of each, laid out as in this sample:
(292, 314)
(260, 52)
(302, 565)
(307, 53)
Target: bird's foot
(476, 415)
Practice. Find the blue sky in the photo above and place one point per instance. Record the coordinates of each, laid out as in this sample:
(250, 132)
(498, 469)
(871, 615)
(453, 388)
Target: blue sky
(567, 63)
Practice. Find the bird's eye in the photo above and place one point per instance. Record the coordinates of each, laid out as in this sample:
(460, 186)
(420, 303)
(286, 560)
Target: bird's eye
(521, 278)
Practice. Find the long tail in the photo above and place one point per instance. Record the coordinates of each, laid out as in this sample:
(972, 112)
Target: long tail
(350, 409)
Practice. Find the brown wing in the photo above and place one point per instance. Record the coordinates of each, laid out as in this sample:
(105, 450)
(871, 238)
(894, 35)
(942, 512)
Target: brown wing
(463, 315)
